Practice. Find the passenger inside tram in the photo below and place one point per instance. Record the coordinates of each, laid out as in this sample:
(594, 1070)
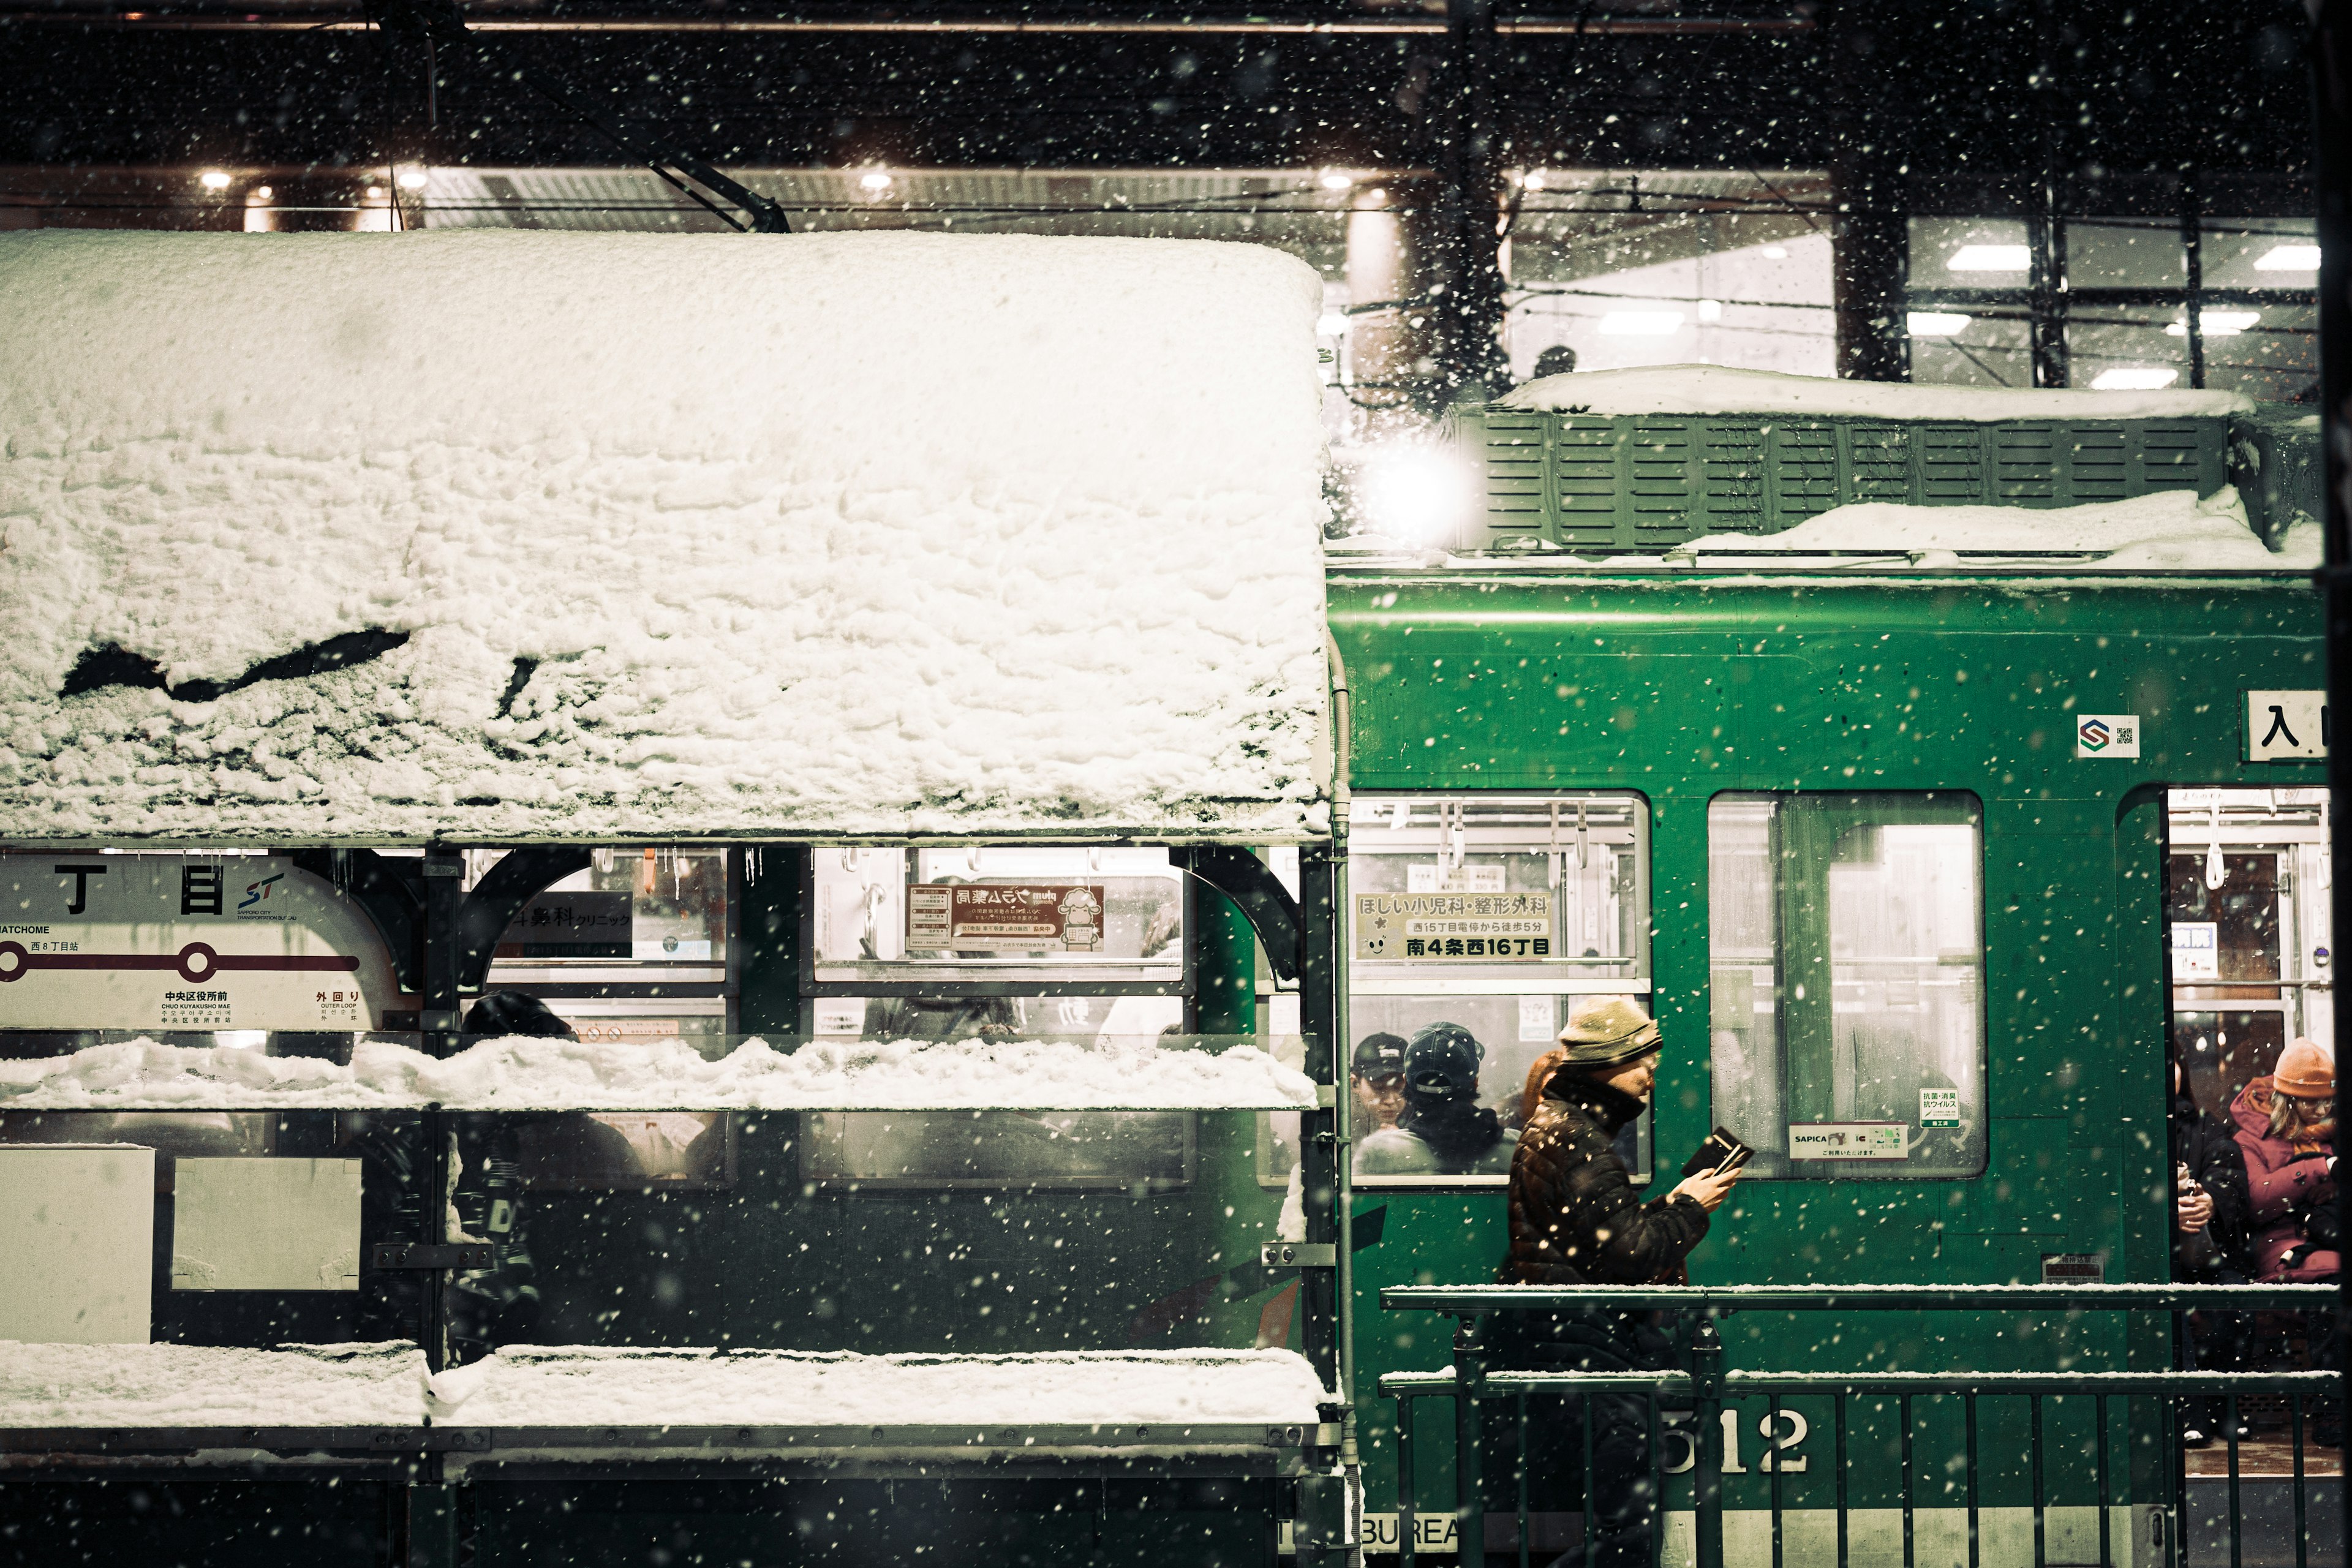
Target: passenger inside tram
(1442, 1130)
(1376, 1075)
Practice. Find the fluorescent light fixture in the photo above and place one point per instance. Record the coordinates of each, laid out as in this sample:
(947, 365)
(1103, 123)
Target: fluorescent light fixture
(1535, 180)
(1936, 323)
(2217, 323)
(412, 179)
(263, 193)
(1991, 258)
(1412, 491)
(1640, 323)
(376, 193)
(2134, 378)
(214, 180)
(1776, 253)
(1338, 180)
(1710, 310)
(875, 180)
(2288, 259)
(1332, 324)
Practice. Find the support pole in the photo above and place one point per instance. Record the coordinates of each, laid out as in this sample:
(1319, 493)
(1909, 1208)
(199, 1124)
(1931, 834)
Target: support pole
(1707, 1415)
(2045, 225)
(1318, 1137)
(2192, 250)
(1469, 1479)
(1469, 261)
(2331, 58)
(431, 1505)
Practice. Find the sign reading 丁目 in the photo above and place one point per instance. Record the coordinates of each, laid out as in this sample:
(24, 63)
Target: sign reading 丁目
(2286, 726)
(2106, 734)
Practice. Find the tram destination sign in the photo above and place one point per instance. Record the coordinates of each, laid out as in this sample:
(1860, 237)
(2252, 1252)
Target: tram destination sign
(1453, 927)
(993, 917)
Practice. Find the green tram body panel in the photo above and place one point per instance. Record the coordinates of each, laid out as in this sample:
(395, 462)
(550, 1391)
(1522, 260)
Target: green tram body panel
(1684, 685)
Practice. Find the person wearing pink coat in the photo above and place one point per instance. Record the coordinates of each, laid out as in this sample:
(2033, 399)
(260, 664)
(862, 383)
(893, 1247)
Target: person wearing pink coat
(2287, 1125)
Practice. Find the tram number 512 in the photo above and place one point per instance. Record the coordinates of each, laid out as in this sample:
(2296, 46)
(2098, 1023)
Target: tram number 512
(1682, 1444)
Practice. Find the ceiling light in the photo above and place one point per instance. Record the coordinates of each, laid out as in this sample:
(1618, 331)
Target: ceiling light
(1991, 258)
(875, 180)
(213, 180)
(1710, 310)
(412, 179)
(1375, 195)
(263, 193)
(1640, 323)
(376, 193)
(1333, 324)
(2217, 323)
(1536, 180)
(1776, 253)
(2134, 378)
(1936, 323)
(1338, 180)
(2288, 259)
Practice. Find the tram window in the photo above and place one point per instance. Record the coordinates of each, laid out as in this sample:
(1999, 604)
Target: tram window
(1495, 914)
(1847, 982)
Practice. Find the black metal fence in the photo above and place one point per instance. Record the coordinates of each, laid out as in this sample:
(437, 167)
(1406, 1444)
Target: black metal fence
(2150, 1405)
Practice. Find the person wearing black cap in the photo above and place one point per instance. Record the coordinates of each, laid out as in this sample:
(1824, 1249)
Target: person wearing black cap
(1376, 1075)
(1443, 1129)
(1577, 1220)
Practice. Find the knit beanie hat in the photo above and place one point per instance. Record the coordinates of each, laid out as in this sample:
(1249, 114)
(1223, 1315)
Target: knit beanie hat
(1607, 1033)
(2306, 1071)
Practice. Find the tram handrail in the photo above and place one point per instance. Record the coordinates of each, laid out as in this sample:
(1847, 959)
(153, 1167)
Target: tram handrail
(1463, 1301)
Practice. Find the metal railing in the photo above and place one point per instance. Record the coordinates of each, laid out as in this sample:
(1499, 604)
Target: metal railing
(1708, 1388)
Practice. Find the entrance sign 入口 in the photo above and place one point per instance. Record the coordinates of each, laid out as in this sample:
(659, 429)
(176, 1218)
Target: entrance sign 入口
(1455, 928)
(2106, 734)
(978, 917)
(185, 942)
(1849, 1140)
(2286, 726)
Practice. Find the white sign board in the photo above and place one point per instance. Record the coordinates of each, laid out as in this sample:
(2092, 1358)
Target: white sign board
(2286, 726)
(78, 1230)
(265, 1224)
(185, 941)
(1940, 1107)
(1849, 1140)
(2074, 1269)
(2196, 950)
(2106, 734)
(1453, 927)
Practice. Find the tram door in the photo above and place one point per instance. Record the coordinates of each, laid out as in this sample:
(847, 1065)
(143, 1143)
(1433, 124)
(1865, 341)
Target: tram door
(2246, 918)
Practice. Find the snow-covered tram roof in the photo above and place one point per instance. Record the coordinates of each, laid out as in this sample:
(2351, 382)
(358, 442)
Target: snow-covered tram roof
(491, 536)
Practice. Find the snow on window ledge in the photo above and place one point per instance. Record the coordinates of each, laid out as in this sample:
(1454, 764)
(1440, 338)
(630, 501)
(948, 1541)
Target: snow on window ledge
(528, 1074)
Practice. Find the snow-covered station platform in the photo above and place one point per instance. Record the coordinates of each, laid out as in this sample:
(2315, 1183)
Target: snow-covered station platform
(391, 607)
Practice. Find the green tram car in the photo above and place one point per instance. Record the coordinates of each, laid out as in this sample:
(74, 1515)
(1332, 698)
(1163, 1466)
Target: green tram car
(1899, 851)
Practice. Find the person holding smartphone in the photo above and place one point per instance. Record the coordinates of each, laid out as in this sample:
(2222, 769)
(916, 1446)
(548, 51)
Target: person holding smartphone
(1575, 1219)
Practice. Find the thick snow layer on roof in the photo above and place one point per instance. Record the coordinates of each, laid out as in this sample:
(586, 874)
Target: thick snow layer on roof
(1719, 389)
(686, 535)
(2170, 531)
(210, 1385)
(584, 1386)
(528, 1074)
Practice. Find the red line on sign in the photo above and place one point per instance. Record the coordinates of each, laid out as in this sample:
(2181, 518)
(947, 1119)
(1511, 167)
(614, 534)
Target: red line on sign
(194, 962)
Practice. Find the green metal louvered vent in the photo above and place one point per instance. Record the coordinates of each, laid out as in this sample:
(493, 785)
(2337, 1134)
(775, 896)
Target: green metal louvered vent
(1651, 481)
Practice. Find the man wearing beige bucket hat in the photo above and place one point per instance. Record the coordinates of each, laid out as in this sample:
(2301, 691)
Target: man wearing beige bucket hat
(1575, 1219)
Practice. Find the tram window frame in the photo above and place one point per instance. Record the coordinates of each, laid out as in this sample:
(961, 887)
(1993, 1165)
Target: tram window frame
(1539, 827)
(1804, 902)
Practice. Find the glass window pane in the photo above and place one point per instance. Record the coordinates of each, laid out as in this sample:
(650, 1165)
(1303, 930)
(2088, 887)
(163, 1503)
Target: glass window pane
(1495, 914)
(1847, 970)
(2260, 253)
(2126, 253)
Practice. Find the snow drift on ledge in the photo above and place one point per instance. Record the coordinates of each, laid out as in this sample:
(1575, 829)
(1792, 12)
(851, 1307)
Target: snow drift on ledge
(634, 535)
(528, 1385)
(520, 1073)
(1720, 389)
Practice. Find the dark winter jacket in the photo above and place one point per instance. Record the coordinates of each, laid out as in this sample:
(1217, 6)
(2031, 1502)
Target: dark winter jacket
(2282, 1181)
(2204, 1143)
(1575, 1218)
